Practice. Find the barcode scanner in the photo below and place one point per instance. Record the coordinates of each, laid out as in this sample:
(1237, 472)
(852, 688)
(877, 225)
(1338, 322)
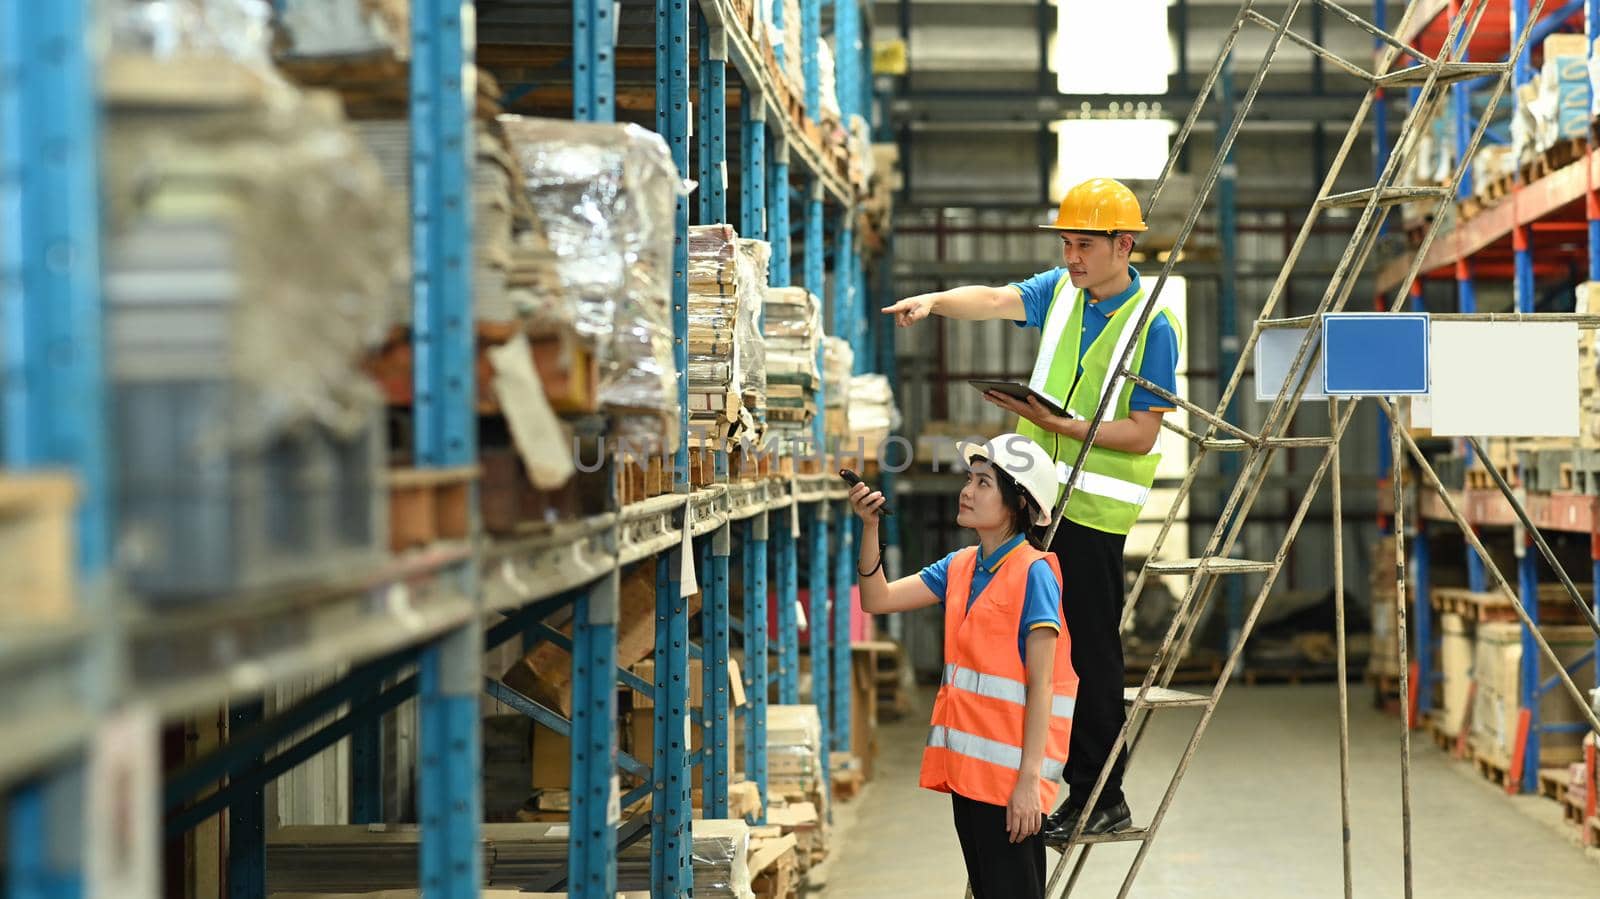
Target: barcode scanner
(853, 479)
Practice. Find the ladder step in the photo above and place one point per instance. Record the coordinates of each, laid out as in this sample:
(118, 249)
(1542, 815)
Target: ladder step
(1211, 565)
(1163, 697)
(1449, 73)
(1392, 196)
(1235, 445)
(1131, 835)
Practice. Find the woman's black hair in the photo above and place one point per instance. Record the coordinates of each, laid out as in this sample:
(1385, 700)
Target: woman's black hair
(1023, 510)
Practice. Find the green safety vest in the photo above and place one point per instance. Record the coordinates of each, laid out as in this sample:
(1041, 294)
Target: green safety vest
(1114, 485)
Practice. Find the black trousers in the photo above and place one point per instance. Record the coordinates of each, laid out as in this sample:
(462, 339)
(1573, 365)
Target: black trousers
(996, 867)
(1092, 595)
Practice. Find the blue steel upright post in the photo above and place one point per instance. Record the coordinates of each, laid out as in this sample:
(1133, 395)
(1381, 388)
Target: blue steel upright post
(815, 279)
(778, 223)
(717, 710)
(1527, 560)
(753, 166)
(785, 565)
(755, 655)
(591, 844)
(843, 583)
(442, 102)
(55, 402)
(820, 631)
(672, 123)
(810, 36)
(711, 138)
(669, 820)
(670, 837)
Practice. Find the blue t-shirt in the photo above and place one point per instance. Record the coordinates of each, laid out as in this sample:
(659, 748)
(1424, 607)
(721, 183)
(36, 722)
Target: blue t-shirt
(1160, 364)
(1041, 605)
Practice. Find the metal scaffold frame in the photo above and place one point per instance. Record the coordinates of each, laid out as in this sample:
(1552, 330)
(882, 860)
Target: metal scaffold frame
(1258, 449)
(420, 631)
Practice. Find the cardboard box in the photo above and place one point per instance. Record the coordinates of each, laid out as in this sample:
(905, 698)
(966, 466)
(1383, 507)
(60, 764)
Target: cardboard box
(552, 760)
(545, 674)
(37, 549)
(1558, 45)
(1497, 670)
(1455, 666)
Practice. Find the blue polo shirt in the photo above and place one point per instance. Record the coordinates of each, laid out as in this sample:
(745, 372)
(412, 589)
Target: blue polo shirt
(1160, 364)
(1042, 604)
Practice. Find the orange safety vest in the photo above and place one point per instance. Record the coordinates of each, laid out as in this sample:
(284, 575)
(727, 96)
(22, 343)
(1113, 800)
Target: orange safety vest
(975, 746)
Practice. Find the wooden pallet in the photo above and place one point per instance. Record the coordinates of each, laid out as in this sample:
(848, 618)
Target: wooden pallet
(1555, 607)
(1200, 666)
(1572, 811)
(1385, 691)
(1478, 478)
(36, 547)
(567, 366)
(1445, 741)
(1492, 768)
(1553, 783)
(848, 778)
(773, 864)
(429, 504)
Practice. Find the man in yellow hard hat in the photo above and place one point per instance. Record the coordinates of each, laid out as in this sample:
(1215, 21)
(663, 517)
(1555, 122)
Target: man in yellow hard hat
(1086, 309)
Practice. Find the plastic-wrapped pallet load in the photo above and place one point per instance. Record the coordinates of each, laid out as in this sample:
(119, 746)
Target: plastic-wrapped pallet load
(247, 270)
(792, 330)
(872, 414)
(714, 294)
(498, 213)
(235, 30)
(838, 361)
(749, 347)
(347, 27)
(788, 38)
(827, 83)
(603, 197)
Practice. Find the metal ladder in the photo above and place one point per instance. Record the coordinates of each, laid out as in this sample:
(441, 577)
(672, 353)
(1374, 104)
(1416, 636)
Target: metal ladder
(1154, 693)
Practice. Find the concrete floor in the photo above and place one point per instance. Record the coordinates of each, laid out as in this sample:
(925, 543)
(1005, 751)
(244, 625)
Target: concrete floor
(1256, 816)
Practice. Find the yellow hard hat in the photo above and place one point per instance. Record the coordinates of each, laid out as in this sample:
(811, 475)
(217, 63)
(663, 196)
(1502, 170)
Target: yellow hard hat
(1099, 204)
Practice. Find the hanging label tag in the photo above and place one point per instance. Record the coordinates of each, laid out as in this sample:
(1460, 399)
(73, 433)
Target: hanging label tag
(614, 805)
(688, 732)
(689, 583)
(800, 614)
(794, 508)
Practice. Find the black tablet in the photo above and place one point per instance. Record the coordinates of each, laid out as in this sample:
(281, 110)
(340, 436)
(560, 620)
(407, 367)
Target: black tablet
(1019, 391)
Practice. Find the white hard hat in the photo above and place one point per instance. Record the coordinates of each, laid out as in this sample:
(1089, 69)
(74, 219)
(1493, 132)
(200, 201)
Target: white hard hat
(1026, 462)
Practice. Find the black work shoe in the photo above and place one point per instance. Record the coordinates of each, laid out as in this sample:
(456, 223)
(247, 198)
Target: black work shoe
(1108, 819)
(1064, 817)
(1059, 824)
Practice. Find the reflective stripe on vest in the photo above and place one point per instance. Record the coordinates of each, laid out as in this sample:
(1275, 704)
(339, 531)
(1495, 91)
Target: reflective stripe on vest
(986, 750)
(1105, 485)
(1002, 688)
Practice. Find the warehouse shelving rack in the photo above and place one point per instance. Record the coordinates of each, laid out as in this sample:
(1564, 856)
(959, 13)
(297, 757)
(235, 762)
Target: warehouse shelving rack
(1499, 242)
(416, 626)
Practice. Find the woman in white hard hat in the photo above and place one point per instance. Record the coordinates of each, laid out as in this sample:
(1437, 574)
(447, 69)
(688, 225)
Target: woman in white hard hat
(1002, 722)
